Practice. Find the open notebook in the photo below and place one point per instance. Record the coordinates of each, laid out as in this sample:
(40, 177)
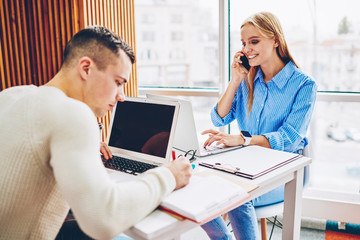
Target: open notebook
(205, 198)
(186, 136)
(141, 134)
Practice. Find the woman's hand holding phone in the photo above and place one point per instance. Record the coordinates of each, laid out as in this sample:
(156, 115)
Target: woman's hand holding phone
(239, 67)
(238, 74)
(245, 63)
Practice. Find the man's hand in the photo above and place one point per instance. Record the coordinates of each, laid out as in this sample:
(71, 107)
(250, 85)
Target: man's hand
(104, 149)
(181, 169)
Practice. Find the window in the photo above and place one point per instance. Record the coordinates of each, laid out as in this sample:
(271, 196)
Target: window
(176, 36)
(187, 34)
(177, 53)
(148, 36)
(336, 143)
(147, 55)
(147, 18)
(176, 18)
(324, 39)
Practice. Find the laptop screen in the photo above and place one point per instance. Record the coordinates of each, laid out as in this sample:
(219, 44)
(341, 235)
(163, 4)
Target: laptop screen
(186, 137)
(143, 127)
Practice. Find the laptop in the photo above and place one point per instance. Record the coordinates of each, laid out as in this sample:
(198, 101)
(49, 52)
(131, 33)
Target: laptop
(186, 136)
(141, 134)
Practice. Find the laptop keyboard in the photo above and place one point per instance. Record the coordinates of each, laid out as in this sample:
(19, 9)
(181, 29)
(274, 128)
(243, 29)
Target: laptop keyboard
(127, 165)
(211, 149)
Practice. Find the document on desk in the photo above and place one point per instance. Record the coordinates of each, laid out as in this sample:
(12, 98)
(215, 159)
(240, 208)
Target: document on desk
(204, 198)
(250, 162)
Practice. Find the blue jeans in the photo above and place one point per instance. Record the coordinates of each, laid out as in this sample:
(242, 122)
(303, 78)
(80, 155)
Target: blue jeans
(243, 219)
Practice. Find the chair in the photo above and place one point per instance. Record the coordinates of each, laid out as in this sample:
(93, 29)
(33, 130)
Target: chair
(275, 209)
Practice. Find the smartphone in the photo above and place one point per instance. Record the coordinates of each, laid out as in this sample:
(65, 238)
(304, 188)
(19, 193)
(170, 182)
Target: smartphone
(245, 63)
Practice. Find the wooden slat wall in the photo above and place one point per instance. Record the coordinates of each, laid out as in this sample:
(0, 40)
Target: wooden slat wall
(118, 16)
(33, 34)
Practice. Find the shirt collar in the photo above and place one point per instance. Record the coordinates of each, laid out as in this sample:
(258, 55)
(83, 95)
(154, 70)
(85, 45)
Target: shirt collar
(281, 78)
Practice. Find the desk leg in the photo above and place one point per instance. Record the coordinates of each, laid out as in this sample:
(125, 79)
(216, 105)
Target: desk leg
(292, 207)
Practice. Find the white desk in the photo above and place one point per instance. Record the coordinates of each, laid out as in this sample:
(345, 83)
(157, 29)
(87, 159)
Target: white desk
(290, 174)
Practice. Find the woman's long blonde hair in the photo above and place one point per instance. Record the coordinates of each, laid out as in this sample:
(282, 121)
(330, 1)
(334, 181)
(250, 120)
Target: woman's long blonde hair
(269, 26)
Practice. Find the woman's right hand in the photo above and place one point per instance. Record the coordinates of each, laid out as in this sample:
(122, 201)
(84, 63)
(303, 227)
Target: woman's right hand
(237, 72)
(222, 138)
(237, 76)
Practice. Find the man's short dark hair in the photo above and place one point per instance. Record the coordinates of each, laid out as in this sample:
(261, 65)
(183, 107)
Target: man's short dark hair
(96, 42)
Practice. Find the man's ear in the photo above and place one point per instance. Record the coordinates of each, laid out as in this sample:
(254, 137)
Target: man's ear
(84, 67)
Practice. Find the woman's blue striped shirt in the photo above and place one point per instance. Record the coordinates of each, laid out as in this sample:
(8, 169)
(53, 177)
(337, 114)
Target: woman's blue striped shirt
(281, 109)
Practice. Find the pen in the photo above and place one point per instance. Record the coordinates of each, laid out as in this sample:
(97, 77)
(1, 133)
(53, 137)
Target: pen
(192, 165)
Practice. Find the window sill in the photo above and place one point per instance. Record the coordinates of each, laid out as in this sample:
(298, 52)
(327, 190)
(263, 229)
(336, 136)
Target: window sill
(199, 92)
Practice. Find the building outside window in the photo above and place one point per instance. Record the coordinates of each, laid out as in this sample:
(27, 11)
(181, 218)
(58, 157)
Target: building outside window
(147, 18)
(176, 18)
(148, 36)
(178, 38)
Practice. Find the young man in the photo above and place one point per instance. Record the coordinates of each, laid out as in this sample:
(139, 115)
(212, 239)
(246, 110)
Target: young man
(49, 154)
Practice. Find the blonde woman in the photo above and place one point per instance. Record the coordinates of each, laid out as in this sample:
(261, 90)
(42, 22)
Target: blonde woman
(272, 103)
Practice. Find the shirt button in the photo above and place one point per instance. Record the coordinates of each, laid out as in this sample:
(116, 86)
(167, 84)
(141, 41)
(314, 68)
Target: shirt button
(258, 120)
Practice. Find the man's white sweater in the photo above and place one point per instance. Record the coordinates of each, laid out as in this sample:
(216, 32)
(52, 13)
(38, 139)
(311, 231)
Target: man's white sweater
(50, 161)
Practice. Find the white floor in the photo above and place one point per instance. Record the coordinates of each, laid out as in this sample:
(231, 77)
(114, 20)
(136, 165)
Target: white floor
(195, 234)
(311, 230)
